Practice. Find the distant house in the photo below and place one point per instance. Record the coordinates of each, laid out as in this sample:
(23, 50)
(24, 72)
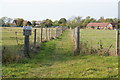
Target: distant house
(101, 25)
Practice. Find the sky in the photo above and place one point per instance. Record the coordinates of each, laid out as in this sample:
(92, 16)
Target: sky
(56, 9)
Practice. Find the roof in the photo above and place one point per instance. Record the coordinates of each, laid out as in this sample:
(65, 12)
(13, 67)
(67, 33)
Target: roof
(114, 24)
(98, 24)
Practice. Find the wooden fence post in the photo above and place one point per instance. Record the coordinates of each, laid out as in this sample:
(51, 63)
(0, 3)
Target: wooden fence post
(16, 38)
(46, 33)
(62, 29)
(34, 37)
(49, 34)
(41, 31)
(56, 33)
(77, 47)
(26, 46)
(117, 42)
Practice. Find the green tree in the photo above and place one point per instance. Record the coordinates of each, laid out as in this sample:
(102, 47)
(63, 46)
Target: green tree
(62, 21)
(25, 23)
(55, 23)
(19, 21)
(48, 23)
(74, 22)
(7, 21)
(87, 20)
(42, 23)
(34, 23)
(2, 23)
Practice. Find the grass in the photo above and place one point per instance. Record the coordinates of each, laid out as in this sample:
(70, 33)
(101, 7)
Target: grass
(56, 60)
(9, 35)
(12, 42)
(94, 38)
(108, 37)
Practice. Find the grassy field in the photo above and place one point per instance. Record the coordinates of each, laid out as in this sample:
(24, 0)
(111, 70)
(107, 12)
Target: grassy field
(9, 35)
(56, 60)
(12, 42)
(95, 38)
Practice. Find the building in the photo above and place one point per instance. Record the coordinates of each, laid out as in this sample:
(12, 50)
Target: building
(101, 25)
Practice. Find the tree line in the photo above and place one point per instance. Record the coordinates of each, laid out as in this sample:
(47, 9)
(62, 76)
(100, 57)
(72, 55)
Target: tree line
(71, 22)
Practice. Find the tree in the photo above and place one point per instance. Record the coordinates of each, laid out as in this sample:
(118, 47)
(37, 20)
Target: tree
(19, 21)
(87, 20)
(42, 23)
(48, 23)
(62, 21)
(7, 21)
(2, 23)
(74, 22)
(34, 23)
(24, 23)
(55, 23)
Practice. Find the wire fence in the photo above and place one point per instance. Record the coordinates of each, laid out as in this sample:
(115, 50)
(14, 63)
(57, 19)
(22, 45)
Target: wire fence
(13, 41)
(100, 42)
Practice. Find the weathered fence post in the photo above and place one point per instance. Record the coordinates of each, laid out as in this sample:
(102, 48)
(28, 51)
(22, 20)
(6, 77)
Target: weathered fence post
(46, 33)
(16, 38)
(52, 33)
(41, 31)
(117, 42)
(26, 32)
(49, 34)
(56, 33)
(26, 46)
(34, 37)
(77, 47)
(62, 29)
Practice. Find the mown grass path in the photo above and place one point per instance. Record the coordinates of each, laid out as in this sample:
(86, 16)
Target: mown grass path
(56, 60)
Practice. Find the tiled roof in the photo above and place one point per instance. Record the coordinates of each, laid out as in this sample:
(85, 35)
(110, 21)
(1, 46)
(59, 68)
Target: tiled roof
(98, 24)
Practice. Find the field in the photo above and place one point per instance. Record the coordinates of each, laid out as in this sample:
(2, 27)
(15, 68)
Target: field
(13, 41)
(55, 59)
(105, 39)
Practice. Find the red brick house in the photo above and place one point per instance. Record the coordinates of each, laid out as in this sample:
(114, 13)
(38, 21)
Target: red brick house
(101, 25)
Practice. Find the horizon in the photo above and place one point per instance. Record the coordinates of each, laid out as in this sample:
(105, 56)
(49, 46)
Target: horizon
(56, 9)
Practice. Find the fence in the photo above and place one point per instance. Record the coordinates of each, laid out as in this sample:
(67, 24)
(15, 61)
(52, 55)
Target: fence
(76, 40)
(13, 40)
(91, 41)
(118, 42)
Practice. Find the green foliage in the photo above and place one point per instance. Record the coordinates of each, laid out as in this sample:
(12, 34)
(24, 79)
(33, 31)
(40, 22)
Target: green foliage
(55, 23)
(83, 22)
(19, 21)
(87, 20)
(34, 23)
(74, 22)
(48, 23)
(2, 22)
(62, 21)
(24, 23)
(5, 21)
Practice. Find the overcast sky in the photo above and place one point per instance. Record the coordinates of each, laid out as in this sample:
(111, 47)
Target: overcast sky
(56, 9)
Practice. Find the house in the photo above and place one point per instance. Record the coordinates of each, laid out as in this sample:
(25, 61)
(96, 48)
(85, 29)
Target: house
(101, 25)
